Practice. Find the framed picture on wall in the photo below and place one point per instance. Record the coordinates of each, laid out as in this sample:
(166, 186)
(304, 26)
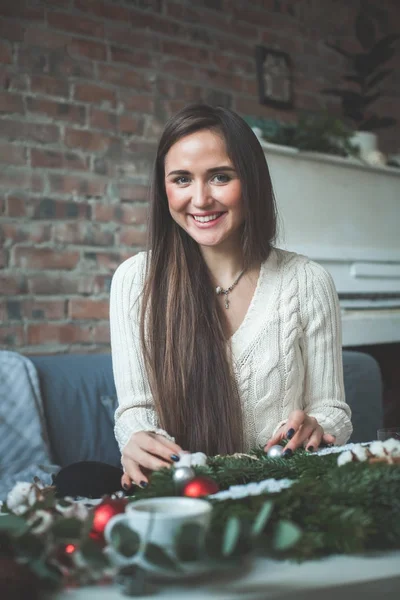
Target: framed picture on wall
(274, 75)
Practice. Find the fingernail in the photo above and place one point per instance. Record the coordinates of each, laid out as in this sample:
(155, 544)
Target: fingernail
(329, 445)
(143, 484)
(290, 433)
(126, 486)
(310, 449)
(174, 457)
(287, 453)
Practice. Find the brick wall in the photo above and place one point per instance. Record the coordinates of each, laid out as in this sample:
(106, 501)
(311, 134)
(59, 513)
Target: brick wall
(85, 87)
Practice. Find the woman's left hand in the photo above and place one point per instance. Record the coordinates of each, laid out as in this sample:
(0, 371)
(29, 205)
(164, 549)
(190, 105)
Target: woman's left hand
(301, 430)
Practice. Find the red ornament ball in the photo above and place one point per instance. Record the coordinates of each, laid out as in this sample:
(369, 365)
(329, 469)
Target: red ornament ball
(103, 513)
(200, 486)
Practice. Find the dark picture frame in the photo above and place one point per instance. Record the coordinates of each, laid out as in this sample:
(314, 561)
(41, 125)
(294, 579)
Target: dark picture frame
(274, 76)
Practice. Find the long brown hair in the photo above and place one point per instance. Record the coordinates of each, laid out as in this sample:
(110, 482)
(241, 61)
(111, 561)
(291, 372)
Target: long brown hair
(184, 346)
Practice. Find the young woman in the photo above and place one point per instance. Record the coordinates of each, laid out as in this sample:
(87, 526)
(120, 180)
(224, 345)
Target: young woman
(220, 341)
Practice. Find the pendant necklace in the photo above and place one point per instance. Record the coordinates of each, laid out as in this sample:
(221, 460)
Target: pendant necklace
(228, 290)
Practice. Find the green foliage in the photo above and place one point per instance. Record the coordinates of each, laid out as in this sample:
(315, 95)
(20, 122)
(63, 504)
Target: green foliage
(313, 133)
(367, 74)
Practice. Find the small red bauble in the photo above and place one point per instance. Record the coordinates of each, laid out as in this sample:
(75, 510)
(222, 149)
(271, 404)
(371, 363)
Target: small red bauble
(103, 513)
(200, 486)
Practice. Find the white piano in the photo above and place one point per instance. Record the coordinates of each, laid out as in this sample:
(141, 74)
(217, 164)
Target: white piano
(345, 215)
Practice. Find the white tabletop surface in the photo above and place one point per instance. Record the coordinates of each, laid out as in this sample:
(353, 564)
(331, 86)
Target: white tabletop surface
(373, 577)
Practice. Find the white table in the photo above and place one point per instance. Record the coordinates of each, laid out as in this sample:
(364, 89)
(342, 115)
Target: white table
(344, 577)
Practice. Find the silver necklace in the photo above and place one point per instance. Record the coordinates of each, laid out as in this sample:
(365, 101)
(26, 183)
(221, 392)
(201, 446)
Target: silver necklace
(228, 290)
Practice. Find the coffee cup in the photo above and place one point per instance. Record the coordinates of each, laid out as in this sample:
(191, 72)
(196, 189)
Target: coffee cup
(157, 521)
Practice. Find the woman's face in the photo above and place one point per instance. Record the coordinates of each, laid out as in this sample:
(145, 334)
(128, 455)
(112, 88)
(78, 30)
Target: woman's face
(203, 189)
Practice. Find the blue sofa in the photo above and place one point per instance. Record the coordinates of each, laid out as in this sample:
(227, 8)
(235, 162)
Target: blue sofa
(79, 400)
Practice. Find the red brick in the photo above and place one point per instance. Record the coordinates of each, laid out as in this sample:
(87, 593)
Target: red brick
(51, 159)
(31, 59)
(151, 22)
(131, 236)
(48, 208)
(101, 333)
(12, 154)
(105, 11)
(108, 261)
(51, 86)
(22, 180)
(216, 78)
(138, 103)
(11, 30)
(11, 103)
(78, 185)
(85, 308)
(82, 233)
(59, 111)
(95, 94)
(44, 258)
(101, 119)
(35, 233)
(87, 140)
(129, 192)
(10, 285)
(233, 64)
(251, 106)
(87, 49)
(132, 57)
(5, 53)
(11, 336)
(125, 77)
(45, 38)
(21, 10)
(52, 333)
(44, 309)
(130, 125)
(122, 213)
(66, 282)
(3, 259)
(16, 206)
(62, 65)
(81, 25)
(190, 53)
(180, 69)
(30, 132)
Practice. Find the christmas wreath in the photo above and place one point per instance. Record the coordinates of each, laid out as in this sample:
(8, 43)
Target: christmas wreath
(341, 500)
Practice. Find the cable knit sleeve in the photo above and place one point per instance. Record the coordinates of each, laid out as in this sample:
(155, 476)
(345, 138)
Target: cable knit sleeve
(135, 410)
(324, 394)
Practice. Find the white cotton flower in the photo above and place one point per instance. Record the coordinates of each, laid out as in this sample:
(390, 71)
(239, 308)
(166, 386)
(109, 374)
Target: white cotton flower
(392, 447)
(360, 452)
(21, 497)
(75, 509)
(377, 449)
(344, 457)
(199, 459)
(41, 520)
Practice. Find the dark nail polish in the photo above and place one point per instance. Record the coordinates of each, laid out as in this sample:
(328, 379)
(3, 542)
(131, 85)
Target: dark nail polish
(290, 433)
(174, 457)
(287, 453)
(310, 449)
(126, 487)
(143, 484)
(329, 445)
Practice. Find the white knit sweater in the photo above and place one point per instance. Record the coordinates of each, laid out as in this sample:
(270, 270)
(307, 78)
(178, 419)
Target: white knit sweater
(287, 353)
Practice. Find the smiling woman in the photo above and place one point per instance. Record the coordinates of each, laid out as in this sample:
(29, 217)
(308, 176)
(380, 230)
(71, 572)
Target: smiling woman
(220, 341)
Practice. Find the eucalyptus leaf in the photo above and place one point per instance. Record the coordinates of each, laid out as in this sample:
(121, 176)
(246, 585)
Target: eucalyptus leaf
(262, 518)
(125, 540)
(286, 535)
(93, 554)
(231, 536)
(13, 524)
(189, 543)
(157, 556)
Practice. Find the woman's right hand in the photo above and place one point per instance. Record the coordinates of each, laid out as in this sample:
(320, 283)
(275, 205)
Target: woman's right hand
(146, 450)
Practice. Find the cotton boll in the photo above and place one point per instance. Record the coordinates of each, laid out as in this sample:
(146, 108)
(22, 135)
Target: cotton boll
(344, 457)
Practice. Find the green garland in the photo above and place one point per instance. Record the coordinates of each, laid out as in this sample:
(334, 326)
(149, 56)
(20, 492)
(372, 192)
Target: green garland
(347, 509)
(328, 509)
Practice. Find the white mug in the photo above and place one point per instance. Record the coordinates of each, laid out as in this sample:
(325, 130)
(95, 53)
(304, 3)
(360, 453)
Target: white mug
(158, 520)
